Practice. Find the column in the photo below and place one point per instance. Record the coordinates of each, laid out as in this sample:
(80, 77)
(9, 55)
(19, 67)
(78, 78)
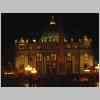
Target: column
(73, 64)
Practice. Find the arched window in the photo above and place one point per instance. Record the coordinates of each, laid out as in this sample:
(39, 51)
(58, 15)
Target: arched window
(69, 58)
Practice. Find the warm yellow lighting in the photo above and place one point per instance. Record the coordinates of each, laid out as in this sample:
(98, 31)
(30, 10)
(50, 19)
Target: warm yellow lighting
(34, 40)
(22, 40)
(69, 54)
(85, 38)
(28, 68)
(52, 23)
(8, 73)
(42, 40)
(86, 70)
(97, 67)
(34, 71)
(26, 41)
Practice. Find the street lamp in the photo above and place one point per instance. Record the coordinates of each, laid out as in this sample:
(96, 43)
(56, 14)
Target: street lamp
(30, 71)
(33, 71)
(28, 68)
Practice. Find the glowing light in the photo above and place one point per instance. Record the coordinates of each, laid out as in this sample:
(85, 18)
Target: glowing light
(28, 68)
(34, 71)
(34, 40)
(86, 70)
(97, 67)
(26, 85)
(69, 54)
(15, 41)
(26, 41)
(52, 23)
(22, 40)
(85, 38)
(8, 73)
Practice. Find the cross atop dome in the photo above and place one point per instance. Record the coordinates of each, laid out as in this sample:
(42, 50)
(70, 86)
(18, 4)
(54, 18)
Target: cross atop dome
(52, 24)
(52, 20)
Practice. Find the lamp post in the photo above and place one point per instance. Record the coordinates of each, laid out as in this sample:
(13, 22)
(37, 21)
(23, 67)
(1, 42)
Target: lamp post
(29, 70)
(33, 73)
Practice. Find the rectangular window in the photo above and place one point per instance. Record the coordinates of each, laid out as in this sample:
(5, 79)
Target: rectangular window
(53, 57)
(48, 58)
(39, 57)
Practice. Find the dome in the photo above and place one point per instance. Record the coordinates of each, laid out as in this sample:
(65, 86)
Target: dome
(50, 37)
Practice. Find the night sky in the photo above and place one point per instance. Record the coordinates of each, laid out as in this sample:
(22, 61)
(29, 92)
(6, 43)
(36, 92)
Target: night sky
(35, 23)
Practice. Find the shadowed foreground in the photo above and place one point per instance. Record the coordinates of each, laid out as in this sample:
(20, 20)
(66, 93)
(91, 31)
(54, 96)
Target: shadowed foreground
(46, 81)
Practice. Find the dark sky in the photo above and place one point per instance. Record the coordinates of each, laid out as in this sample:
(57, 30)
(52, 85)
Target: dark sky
(15, 23)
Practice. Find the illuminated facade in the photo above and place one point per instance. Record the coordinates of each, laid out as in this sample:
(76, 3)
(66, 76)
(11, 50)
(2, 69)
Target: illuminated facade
(53, 53)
